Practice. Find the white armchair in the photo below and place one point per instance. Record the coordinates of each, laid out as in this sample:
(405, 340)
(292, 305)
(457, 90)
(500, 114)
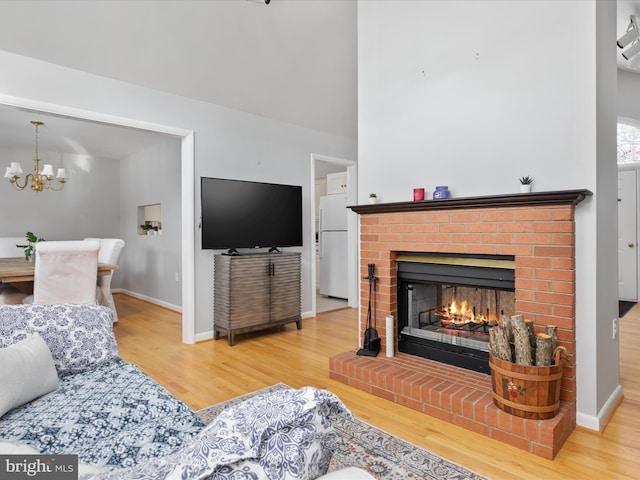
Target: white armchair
(65, 272)
(110, 249)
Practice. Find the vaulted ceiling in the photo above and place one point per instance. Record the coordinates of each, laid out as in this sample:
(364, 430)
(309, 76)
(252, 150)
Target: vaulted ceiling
(294, 61)
(291, 60)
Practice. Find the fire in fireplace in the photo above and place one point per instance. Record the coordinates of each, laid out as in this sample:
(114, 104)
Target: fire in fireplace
(447, 303)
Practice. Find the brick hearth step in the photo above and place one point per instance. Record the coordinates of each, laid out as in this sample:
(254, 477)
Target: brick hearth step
(455, 395)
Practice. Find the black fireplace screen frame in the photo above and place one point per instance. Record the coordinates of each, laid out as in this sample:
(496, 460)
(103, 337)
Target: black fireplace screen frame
(494, 272)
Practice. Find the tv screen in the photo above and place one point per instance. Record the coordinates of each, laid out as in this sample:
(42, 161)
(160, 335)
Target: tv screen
(241, 214)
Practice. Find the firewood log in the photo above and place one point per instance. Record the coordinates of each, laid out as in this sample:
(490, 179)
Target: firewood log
(532, 335)
(499, 344)
(505, 321)
(521, 342)
(544, 350)
(552, 331)
(532, 338)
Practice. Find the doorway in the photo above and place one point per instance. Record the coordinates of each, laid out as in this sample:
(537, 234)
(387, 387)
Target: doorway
(334, 262)
(187, 162)
(627, 235)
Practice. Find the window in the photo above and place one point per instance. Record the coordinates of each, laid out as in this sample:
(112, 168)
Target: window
(628, 144)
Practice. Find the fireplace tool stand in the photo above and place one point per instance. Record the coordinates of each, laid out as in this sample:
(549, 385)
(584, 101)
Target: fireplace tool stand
(371, 341)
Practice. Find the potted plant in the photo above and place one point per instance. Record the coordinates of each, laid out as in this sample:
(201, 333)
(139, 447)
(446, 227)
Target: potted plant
(373, 198)
(29, 248)
(525, 184)
(145, 229)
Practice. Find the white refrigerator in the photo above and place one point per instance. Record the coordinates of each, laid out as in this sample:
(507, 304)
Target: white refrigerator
(332, 243)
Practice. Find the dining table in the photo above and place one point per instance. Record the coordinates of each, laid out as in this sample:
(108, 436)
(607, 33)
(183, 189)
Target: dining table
(19, 272)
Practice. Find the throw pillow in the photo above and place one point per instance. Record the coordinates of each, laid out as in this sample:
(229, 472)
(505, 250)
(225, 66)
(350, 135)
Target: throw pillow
(80, 337)
(27, 373)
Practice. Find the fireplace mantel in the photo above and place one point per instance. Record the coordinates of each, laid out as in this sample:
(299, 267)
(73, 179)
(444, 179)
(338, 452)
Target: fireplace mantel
(561, 197)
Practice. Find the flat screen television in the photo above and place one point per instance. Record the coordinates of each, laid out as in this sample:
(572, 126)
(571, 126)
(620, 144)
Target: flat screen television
(242, 214)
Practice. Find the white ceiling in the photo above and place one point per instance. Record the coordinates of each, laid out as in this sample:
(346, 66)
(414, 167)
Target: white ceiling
(291, 60)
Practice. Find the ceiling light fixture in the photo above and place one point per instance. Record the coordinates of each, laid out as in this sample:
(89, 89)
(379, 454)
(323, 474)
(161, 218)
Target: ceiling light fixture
(634, 49)
(631, 39)
(631, 35)
(39, 180)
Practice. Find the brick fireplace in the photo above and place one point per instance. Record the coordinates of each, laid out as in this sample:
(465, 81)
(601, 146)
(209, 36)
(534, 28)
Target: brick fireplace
(538, 231)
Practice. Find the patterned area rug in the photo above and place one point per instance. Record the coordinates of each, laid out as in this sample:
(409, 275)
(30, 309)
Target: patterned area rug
(362, 445)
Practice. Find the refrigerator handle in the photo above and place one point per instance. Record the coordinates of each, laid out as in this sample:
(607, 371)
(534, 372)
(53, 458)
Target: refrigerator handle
(320, 232)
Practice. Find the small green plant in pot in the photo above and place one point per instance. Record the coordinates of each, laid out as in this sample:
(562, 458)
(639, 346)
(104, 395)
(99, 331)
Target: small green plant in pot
(527, 180)
(525, 183)
(373, 198)
(29, 248)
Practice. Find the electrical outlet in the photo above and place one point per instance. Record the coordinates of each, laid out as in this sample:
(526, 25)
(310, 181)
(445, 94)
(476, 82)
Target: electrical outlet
(177, 277)
(615, 328)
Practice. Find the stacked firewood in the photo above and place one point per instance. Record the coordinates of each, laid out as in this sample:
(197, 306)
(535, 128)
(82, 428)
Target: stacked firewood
(514, 340)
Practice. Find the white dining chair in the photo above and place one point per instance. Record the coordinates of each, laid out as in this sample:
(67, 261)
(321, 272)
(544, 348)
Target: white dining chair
(10, 295)
(109, 253)
(65, 272)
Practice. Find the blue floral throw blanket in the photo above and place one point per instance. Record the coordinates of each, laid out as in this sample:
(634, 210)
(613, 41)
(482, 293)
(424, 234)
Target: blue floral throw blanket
(110, 416)
(276, 436)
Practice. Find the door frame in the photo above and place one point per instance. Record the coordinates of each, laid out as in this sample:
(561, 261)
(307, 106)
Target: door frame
(187, 179)
(634, 168)
(352, 228)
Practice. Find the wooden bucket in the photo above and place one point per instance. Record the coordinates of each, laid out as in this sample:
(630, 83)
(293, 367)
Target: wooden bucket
(528, 392)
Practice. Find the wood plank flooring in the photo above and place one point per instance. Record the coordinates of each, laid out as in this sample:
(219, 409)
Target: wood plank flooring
(210, 372)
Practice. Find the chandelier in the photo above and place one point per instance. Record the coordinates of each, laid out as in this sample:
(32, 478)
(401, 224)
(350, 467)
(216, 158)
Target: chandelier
(39, 180)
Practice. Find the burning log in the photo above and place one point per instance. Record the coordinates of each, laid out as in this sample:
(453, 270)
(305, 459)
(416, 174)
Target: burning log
(544, 350)
(521, 342)
(499, 343)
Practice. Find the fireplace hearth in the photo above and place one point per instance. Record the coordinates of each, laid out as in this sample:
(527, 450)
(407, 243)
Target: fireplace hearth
(448, 302)
(537, 231)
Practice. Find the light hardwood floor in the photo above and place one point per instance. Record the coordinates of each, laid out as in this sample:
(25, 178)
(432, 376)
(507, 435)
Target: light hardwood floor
(210, 372)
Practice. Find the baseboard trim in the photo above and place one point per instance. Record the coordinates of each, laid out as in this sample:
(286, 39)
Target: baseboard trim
(600, 421)
(155, 301)
(201, 337)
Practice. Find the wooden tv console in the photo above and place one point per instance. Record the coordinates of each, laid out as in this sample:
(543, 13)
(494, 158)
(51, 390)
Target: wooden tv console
(256, 291)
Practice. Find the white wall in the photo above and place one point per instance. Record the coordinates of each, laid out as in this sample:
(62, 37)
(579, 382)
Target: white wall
(228, 143)
(628, 100)
(150, 262)
(460, 94)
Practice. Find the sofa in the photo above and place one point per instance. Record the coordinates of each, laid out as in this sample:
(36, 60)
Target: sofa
(65, 390)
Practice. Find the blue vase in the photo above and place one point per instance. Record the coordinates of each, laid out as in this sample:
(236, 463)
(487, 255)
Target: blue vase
(441, 193)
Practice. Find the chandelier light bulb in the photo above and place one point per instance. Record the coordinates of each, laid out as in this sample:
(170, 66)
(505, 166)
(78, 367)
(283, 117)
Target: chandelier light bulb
(16, 169)
(47, 171)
